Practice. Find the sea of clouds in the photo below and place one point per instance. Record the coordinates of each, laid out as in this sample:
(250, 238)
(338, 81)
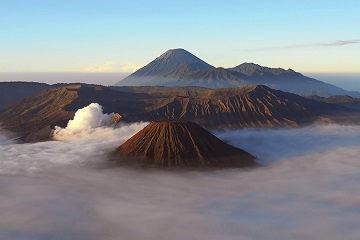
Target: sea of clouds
(306, 188)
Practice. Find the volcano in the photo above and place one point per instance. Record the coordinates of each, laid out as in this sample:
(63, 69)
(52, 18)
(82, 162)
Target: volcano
(166, 69)
(178, 67)
(181, 144)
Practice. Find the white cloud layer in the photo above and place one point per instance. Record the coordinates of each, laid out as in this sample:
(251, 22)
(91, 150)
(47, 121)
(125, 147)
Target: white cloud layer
(130, 67)
(105, 67)
(307, 189)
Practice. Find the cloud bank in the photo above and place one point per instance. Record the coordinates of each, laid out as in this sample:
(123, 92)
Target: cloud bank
(109, 66)
(306, 189)
(130, 67)
(105, 67)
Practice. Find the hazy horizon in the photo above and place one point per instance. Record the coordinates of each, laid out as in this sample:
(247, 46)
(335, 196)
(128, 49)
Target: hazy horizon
(347, 81)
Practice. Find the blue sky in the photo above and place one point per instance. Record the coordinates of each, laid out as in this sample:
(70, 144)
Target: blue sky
(121, 36)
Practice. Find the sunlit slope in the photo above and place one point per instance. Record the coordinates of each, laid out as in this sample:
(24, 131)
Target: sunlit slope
(180, 144)
(250, 106)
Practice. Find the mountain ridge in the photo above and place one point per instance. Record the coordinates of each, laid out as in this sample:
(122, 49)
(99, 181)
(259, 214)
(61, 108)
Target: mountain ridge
(11, 92)
(249, 106)
(171, 70)
(249, 69)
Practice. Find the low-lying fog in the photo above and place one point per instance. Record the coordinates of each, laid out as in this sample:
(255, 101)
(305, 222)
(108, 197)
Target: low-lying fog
(308, 188)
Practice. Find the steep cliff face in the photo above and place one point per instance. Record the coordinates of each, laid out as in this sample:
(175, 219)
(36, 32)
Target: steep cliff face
(176, 144)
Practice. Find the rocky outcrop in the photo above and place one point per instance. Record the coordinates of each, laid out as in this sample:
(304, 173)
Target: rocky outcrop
(115, 119)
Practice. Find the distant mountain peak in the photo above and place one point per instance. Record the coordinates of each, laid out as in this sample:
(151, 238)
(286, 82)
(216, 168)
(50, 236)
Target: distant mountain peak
(175, 53)
(178, 56)
(178, 67)
(170, 64)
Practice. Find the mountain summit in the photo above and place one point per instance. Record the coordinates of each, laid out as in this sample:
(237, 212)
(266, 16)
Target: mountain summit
(167, 67)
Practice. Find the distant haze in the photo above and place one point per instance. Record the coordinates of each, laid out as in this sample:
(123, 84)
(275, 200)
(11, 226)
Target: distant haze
(347, 81)
(105, 79)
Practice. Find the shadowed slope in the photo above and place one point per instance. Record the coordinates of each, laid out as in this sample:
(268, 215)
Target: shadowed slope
(341, 100)
(168, 144)
(215, 78)
(11, 92)
(287, 80)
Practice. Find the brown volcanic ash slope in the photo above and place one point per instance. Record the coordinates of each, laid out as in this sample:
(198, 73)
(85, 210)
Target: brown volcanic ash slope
(35, 116)
(251, 106)
(174, 144)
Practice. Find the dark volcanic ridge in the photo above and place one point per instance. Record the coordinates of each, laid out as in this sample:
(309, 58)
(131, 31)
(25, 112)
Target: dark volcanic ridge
(344, 100)
(251, 106)
(180, 144)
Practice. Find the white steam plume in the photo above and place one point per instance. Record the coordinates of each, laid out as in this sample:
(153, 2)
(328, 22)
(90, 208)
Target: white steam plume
(86, 120)
(87, 139)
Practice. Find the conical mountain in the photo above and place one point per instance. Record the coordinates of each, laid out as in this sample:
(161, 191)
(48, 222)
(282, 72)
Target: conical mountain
(178, 144)
(165, 69)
